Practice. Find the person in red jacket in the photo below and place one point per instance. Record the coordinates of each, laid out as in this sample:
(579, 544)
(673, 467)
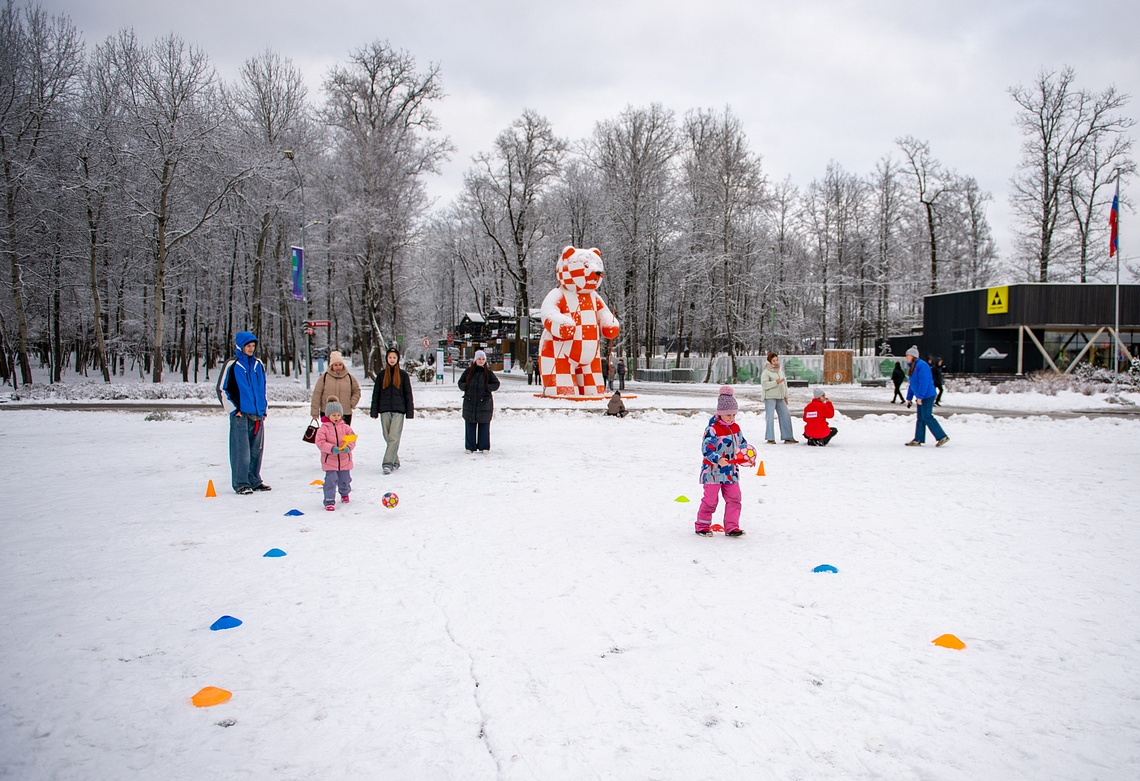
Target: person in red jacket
(816, 414)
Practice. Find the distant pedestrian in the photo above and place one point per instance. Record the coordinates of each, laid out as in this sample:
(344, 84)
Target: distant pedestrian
(621, 373)
(339, 382)
(922, 390)
(936, 367)
(336, 441)
(723, 449)
(898, 377)
(478, 383)
(616, 406)
(606, 372)
(816, 414)
(529, 368)
(241, 390)
(774, 385)
(392, 402)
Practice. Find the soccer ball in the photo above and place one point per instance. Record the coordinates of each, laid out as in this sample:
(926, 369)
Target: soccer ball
(390, 500)
(750, 453)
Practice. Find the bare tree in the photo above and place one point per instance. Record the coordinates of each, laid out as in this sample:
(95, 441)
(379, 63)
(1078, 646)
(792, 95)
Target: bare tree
(379, 108)
(932, 183)
(505, 189)
(1058, 122)
(1106, 157)
(634, 155)
(725, 189)
(269, 103)
(40, 57)
(173, 105)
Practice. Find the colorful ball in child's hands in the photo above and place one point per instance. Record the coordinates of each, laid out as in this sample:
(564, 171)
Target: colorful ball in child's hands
(390, 500)
(750, 453)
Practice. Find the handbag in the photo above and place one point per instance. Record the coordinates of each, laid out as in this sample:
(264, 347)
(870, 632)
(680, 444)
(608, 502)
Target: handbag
(310, 434)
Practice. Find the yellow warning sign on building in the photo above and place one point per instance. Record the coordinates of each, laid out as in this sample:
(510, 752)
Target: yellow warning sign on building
(997, 300)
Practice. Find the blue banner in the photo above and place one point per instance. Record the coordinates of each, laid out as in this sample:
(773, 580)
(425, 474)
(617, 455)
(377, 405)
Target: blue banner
(298, 274)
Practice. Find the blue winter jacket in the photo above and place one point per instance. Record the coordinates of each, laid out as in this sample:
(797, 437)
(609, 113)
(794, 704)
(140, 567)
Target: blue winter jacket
(721, 439)
(921, 383)
(241, 385)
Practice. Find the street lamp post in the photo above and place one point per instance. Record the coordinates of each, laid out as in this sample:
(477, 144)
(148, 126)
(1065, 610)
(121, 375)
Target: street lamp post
(292, 158)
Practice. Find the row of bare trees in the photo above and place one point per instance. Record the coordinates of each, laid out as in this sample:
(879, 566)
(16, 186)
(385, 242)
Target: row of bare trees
(150, 208)
(703, 252)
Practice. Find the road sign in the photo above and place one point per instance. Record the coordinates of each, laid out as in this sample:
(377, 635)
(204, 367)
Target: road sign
(318, 323)
(426, 343)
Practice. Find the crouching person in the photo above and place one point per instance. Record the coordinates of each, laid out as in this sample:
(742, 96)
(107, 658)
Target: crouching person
(816, 414)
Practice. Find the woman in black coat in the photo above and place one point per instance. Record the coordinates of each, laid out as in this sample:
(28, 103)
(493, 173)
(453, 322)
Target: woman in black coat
(897, 377)
(392, 402)
(478, 382)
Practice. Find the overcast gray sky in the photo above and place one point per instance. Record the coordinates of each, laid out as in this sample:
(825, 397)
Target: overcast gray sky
(812, 81)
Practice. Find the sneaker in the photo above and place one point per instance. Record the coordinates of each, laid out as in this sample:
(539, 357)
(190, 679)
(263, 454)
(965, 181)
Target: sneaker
(914, 443)
(791, 441)
(735, 533)
(395, 467)
(331, 508)
(771, 441)
(705, 533)
(245, 490)
(344, 499)
(262, 487)
(942, 441)
(468, 452)
(484, 452)
(387, 469)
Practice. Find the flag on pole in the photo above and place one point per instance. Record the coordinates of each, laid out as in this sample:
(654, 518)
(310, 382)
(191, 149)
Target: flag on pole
(298, 273)
(1113, 217)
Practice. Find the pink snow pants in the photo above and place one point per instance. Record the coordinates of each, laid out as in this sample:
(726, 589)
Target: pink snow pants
(713, 491)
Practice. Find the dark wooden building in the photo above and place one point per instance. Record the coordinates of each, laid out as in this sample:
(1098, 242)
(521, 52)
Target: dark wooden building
(1013, 329)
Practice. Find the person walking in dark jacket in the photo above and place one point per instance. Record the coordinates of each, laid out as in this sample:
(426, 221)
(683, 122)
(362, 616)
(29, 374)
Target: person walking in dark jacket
(621, 373)
(922, 390)
(936, 367)
(898, 377)
(392, 403)
(478, 383)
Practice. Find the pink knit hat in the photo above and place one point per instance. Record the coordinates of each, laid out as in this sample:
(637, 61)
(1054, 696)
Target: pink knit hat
(726, 401)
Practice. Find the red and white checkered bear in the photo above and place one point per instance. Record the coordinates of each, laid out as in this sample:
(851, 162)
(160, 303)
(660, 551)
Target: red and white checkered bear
(572, 316)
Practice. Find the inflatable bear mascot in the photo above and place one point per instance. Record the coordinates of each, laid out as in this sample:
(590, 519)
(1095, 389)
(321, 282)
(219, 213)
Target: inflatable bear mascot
(572, 316)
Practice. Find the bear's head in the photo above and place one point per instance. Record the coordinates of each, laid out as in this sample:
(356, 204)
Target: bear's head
(580, 269)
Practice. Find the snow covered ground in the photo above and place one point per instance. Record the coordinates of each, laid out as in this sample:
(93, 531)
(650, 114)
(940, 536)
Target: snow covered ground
(546, 612)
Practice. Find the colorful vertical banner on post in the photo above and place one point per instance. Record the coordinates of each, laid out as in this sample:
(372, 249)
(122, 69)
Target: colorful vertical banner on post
(298, 273)
(1113, 218)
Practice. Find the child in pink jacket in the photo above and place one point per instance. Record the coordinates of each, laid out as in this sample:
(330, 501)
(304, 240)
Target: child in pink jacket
(336, 454)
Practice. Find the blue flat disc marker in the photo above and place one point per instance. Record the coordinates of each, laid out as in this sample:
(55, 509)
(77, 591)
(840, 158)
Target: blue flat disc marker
(294, 512)
(225, 622)
(825, 568)
(273, 553)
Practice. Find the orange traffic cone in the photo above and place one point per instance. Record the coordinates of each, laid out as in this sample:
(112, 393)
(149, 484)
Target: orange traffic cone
(760, 470)
(210, 489)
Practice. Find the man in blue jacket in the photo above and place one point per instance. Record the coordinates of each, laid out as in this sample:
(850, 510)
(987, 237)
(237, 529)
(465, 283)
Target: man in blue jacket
(922, 390)
(241, 390)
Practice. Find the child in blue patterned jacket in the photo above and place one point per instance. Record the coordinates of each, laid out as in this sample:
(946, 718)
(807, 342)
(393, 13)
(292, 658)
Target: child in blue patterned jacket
(724, 448)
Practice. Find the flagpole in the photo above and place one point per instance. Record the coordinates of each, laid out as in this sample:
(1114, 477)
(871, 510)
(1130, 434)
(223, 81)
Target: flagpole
(1115, 246)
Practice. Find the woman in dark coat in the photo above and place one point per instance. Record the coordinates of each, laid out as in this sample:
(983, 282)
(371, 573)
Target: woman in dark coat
(897, 377)
(392, 403)
(478, 382)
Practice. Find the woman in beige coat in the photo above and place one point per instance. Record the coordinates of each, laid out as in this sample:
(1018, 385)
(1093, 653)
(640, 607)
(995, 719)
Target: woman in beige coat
(336, 381)
(775, 386)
